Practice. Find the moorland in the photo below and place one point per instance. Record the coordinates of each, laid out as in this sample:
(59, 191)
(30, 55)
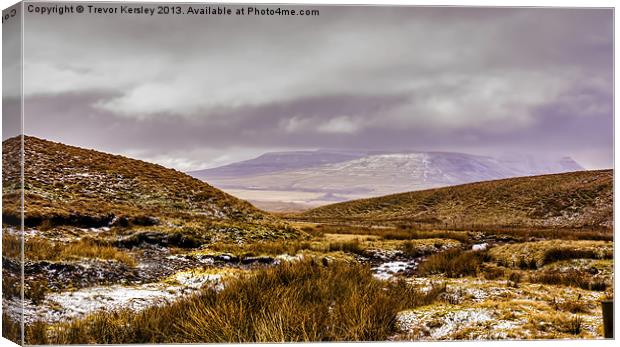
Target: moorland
(118, 250)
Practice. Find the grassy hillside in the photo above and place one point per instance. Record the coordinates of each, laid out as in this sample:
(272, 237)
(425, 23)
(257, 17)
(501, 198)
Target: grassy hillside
(66, 185)
(575, 199)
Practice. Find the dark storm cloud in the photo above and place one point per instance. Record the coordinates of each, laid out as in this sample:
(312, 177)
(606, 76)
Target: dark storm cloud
(191, 91)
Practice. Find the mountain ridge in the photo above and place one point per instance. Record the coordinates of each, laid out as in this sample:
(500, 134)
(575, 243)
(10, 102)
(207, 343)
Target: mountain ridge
(370, 173)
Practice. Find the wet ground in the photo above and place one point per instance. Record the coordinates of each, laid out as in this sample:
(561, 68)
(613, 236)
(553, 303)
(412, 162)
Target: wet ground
(79, 288)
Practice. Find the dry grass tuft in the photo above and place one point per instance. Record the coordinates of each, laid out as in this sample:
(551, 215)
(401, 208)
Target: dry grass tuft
(38, 248)
(11, 329)
(573, 278)
(301, 301)
(453, 263)
(533, 255)
(271, 248)
(86, 248)
(352, 247)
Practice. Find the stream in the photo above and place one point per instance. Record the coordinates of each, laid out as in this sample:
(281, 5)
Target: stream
(161, 278)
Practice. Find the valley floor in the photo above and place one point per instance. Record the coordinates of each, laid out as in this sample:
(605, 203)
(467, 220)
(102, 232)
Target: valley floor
(339, 283)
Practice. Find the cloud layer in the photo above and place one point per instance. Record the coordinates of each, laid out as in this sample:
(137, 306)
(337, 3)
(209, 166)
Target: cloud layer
(192, 92)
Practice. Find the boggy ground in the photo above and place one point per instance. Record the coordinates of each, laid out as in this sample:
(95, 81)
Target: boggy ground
(338, 283)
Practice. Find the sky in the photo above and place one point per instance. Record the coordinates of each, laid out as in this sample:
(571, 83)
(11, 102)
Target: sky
(193, 92)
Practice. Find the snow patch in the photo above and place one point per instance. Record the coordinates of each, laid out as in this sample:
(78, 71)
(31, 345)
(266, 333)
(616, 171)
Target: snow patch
(63, 306)
(447, 325)
(480, 247)
(387, 270)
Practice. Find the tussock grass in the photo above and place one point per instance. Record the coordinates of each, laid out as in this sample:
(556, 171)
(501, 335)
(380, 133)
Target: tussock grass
(38, 248)
(89, 249)
(314, 231)
(557, 254)
(300, 301)
(533, 255)
(11, 329)
(410, 249)
(555, 324)
(572, 306)
(573, 278)
(465, 234)
(11, 285)
(271, 248)
(11, 246)
(434, 234)
(492, 272)
(394, 233)
(352, 247)
(596, 234)
(453, 263)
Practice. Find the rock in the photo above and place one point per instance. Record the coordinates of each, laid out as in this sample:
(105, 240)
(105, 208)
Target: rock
(259, 260)
(164, 239)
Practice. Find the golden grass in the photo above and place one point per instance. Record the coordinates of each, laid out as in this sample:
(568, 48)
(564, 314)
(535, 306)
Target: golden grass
(576, 199)
(536, 254)
(39, 248)
(464, 235)
(11, 329)
(573, 278)
(11, 246)
(89, 249)
(93, 189)
(300, 301)
(274, 248)
(387, 233)
(453, 263)
(349, 237)
(265, 248)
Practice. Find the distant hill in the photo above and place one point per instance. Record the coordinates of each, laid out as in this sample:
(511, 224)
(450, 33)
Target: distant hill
(347, 175)
(276, 161)
(575, 199)
(66, 185)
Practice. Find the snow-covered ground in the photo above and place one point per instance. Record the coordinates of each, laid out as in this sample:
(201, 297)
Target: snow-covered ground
(448, 323)
(67, 305)
(387, 270)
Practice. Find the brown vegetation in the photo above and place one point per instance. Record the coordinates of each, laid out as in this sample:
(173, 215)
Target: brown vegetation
(38, 248)
(11, 330)
(66, 185)
(568, 200)
(452, 263)
(302, 301)
(533, 255)
(574, 278)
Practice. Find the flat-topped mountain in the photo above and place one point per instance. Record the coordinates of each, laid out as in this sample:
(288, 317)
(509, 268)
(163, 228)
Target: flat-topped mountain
(277, 161)
(347, 175)
(576, 199)
(75, 186)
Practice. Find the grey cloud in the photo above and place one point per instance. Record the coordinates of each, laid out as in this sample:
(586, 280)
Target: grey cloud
(180, 89)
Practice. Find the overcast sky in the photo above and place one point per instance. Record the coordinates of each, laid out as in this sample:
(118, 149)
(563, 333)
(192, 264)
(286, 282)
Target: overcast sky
(192, 92)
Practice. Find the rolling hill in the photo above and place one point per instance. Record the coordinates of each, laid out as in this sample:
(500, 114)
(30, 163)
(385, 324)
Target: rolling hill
(66, 185)
(576, 199)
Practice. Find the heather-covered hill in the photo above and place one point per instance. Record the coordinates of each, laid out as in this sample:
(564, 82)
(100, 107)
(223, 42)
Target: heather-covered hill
(576, 199)
(66, 185)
